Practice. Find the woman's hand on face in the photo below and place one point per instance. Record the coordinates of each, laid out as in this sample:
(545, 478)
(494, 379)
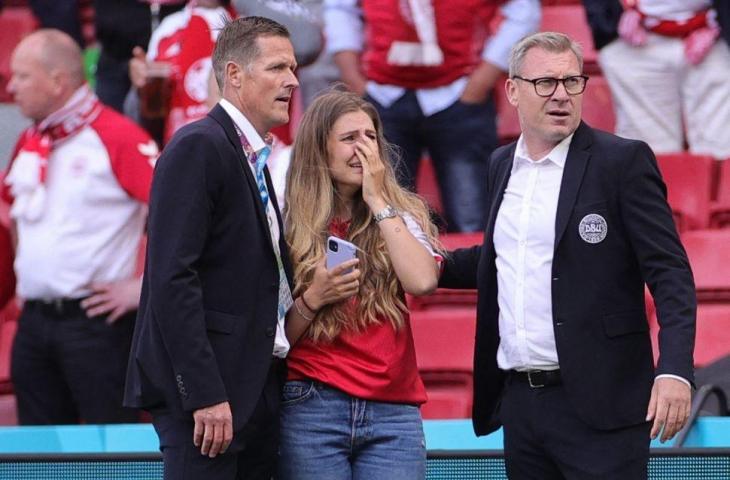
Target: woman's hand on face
(373, 173)
(332, 286)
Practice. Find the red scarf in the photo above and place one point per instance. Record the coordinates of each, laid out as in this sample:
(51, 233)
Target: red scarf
(29, 169)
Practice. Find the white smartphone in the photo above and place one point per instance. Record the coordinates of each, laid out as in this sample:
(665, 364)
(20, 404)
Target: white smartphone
(339, 251)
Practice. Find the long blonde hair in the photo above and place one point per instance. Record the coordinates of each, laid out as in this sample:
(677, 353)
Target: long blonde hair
(311, 202)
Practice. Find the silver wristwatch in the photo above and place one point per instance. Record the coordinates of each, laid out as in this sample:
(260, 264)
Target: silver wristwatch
(387, 212)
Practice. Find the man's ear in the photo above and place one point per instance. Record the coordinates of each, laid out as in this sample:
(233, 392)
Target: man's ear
(234, 74)
(59, 80)
(510, 88)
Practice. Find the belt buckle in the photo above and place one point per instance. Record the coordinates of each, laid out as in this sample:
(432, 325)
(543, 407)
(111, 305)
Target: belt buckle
(529, 379)
(57, 305)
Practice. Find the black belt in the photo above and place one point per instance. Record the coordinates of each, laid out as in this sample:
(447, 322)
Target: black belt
(56, 306)
(538, 378)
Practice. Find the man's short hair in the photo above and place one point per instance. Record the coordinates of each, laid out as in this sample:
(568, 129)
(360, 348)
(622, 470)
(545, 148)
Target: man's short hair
(237, 42)
(553, 42)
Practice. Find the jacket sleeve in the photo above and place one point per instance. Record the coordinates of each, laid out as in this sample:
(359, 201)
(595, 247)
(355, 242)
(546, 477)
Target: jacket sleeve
(460, 268)
(661, 258)
(181, 209)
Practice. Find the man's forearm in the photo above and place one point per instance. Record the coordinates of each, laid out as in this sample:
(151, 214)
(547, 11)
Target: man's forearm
(348, 62)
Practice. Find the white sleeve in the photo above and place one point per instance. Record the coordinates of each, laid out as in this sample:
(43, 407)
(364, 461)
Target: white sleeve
(343, 25)
(419, 234)
(521, 18)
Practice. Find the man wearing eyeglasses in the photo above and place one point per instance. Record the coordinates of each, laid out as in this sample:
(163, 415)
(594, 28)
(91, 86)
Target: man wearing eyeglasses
(577, 224)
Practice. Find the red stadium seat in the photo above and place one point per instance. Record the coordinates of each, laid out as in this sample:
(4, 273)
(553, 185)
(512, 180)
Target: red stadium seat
(720, 209)
(452, 241)
(713, 333)
(709, 253)
(598, 104)
(7, 254)
(446, 401)
(7, 275)
(444, 340)
(7, 334)
(8, 410)
(570, 18)
(15, 23)
(508, 124)
(689, 187)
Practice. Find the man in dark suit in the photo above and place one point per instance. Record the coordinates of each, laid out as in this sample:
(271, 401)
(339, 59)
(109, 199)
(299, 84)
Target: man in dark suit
(578, 223)
(217, 278)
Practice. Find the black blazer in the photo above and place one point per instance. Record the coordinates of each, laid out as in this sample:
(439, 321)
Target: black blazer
(601, 330)
(208, 311)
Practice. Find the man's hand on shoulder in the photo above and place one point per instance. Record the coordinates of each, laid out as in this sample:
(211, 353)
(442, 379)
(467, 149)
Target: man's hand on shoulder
(669, 407)
(213, 430)
(114, 299)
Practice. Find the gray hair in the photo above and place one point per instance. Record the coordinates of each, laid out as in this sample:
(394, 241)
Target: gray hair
(553, 42)
(237, 42)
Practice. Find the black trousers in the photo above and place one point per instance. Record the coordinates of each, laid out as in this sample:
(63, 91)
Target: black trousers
(67, 367)
(251, 456)
(545, 440)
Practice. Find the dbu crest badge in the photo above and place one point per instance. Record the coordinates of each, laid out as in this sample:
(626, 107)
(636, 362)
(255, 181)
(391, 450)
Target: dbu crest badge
(593, 228)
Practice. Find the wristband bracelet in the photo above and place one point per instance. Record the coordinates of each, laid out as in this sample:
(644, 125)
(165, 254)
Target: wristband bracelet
(301, 314)
(306, 304)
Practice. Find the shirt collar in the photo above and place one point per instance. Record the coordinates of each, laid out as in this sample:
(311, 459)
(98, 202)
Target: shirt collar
(557, 155)
(240, 120)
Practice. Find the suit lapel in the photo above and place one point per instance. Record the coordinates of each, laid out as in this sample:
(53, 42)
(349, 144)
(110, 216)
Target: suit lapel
(575, 167)
(502, 171)
(220, 116)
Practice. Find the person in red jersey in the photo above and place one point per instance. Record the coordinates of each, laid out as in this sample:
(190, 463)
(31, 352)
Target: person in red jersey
(78, 185)
(429, 67)
(350, 405)
(184, 40)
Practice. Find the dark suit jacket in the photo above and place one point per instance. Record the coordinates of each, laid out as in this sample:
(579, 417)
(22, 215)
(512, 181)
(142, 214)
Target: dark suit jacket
(208, 311)
(599, 320)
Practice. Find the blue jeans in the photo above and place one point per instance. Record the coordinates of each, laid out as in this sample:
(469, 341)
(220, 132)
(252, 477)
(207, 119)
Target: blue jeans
(326, 434)
(459, 140)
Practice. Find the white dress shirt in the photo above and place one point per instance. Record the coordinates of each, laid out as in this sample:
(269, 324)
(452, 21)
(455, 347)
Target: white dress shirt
(344, 31)
(281, 344)
(524, 238)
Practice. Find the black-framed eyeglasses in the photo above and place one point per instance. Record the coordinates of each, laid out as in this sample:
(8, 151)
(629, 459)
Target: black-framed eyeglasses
(546, 86)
